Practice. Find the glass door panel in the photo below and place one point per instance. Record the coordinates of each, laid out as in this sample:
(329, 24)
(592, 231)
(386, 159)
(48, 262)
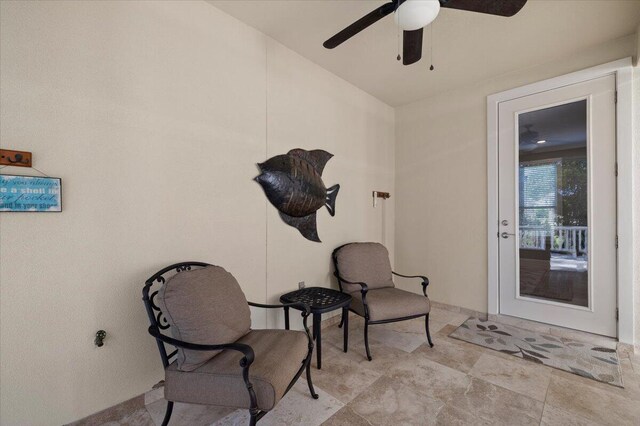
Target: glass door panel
(553, 199)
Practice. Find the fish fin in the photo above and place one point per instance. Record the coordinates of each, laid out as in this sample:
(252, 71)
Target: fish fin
(332, 193)
(306, 225)
(317, 158)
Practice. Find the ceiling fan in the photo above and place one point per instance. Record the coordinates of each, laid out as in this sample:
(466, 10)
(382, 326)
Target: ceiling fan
(528, 136)
(413, 15)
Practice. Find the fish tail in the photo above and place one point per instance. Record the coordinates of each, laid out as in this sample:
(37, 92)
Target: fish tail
(330, 203)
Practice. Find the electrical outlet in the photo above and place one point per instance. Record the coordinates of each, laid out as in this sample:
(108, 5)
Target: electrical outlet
(301, 284)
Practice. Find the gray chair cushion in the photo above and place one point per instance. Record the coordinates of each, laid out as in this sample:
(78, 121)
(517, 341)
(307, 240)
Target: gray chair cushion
(205, 306)
(364, 262)
(390, 303)
(279, 355)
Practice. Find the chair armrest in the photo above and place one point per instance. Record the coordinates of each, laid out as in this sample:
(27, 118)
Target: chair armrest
(300, 305)
(246, 350)
(363, 286)
(306, 311)
(425, 280)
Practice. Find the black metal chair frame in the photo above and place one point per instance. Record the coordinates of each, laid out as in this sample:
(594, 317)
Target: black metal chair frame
(364, 288)
(159, 322)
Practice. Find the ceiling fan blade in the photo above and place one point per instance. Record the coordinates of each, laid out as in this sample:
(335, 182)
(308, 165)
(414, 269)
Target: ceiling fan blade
(412, 46)
(492, 7)
(360, 24)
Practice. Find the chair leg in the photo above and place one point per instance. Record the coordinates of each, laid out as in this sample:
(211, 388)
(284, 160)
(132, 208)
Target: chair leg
(253, 417)
(366, 338)
(342, 319)
(426, 325)
(167, 414)
(314, 395)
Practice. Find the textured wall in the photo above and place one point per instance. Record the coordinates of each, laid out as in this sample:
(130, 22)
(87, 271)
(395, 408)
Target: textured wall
(154, 115)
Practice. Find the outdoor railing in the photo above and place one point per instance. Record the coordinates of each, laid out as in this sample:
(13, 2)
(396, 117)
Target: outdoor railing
(564, 239)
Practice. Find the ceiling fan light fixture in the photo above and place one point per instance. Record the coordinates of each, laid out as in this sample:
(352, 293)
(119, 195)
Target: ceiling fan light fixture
(415, 14)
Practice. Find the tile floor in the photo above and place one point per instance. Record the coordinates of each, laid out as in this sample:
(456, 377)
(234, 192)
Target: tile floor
(409, 383)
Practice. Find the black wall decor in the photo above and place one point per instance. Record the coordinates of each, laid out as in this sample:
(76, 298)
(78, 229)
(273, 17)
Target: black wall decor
(293, 184)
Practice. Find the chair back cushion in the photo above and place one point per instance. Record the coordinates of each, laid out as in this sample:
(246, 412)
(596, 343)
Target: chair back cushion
(365, 262)
(204, 306)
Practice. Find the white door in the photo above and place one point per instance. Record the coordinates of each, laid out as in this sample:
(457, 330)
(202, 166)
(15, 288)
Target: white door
(557, 206)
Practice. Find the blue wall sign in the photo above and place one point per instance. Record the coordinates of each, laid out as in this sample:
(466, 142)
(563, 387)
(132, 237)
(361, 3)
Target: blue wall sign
(30, 194)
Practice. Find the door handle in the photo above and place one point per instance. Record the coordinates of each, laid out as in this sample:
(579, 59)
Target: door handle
(506, 235)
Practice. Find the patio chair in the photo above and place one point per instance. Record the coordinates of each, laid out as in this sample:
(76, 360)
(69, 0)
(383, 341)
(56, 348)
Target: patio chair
(363, 270)
(218, 359)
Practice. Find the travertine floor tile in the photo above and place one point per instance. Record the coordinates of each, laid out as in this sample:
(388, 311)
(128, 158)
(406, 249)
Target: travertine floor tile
(430, 378)
(187, 414)
(407, 342)
(343, 378)
(140, 417)
(389, 402)
(296, 408)
(592, 403)
(416, 326)
(346, 417)
(451, 415)
(383, 355)
(525, 378)
(154, 395)
(446, 353)
(444, 316)
(554, 416)
(635, 362)
(498, 405)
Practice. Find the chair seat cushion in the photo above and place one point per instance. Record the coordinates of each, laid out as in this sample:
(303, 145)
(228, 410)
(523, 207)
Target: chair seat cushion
(390, 303)
(279, 354)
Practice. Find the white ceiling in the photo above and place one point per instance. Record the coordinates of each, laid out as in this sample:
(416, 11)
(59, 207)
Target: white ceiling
(468, 47)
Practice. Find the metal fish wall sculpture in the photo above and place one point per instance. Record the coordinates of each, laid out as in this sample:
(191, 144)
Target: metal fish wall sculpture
(293, 184)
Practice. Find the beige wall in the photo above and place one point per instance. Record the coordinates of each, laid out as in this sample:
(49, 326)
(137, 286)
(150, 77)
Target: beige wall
(441, 178)
(154, 115)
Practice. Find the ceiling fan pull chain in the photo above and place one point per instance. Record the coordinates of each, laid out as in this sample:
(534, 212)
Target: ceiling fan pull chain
(431, 68)
(398, 39)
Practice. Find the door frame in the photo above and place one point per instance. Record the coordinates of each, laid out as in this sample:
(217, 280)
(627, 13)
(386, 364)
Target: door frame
(622, 69)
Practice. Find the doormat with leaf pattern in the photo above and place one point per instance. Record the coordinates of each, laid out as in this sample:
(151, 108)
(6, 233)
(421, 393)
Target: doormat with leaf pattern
(583, 359)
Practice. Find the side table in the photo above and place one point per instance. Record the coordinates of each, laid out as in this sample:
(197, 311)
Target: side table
(320, 300)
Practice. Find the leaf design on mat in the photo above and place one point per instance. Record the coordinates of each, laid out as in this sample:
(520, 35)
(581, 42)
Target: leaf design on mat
(507, 351)
(481, 327)
(538, 348)
(484, 335)
(464, 326)
(553, 339)
(606, 360)
(529, 339)
(489, 340)
(493, 327)
(549, 345)
(577, 345)
(501, 341)
(531, 358)
(582, 373)
(533, 353)
(504, 333)
(599, 349)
